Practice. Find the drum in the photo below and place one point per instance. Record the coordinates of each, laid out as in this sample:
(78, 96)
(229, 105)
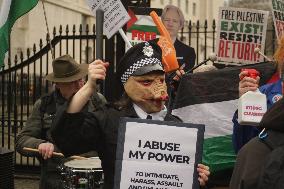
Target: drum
(82, 174)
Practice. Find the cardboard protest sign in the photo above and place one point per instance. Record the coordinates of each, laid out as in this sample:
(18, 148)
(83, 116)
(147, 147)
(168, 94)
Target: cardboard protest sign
(278, 16)
(115, 15)
(239, 32)
(158, 154)
(141, 26)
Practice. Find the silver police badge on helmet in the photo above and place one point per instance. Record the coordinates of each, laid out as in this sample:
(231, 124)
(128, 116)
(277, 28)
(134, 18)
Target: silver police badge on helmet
(148, 50)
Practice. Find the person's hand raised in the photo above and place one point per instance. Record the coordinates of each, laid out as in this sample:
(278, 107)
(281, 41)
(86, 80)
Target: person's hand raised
(179, 74)
(97, 70)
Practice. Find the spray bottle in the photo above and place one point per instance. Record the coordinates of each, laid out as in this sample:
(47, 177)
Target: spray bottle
(252, 105)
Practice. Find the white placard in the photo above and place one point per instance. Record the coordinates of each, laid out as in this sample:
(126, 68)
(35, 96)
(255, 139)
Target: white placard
(115, 15)
(239, 32)
(278, 16)
(159, 156)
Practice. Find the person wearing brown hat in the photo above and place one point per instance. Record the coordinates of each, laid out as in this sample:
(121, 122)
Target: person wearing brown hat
(67, 76)
(141, 73)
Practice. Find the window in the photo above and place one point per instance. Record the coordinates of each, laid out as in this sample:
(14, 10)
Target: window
(194, 9)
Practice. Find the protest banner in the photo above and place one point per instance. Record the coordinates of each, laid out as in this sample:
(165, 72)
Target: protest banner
(278, 16)
(158, 154)
(141, 26)
(115, 15)
(239, 32)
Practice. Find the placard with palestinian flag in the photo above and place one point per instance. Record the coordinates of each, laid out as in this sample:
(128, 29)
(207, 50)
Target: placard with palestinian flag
(141, 27)
(278, 16)
(239, 32)
(210, 98)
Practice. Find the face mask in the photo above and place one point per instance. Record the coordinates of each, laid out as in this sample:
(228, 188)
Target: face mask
(149, 91)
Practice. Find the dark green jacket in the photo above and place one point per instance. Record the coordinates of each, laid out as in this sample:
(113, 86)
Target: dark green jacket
(37, 131)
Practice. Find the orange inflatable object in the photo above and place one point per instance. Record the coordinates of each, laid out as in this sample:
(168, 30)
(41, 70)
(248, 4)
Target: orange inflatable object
(168, 50)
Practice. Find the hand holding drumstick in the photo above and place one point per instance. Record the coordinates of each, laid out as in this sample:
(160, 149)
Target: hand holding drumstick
(53, 153)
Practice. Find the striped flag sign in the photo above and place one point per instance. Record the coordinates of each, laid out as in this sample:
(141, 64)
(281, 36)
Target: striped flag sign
(11, 10)
(211, 98)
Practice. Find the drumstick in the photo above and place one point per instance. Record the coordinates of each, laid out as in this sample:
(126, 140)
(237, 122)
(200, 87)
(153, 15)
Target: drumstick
(53, 153)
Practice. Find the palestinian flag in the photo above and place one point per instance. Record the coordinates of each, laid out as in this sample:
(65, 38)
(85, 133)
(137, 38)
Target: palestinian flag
(132, 20)
(10, 11)
(211, 98)
(140, 27)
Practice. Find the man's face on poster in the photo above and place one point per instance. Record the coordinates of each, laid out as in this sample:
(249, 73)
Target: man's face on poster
(148, 91)
(172, 22)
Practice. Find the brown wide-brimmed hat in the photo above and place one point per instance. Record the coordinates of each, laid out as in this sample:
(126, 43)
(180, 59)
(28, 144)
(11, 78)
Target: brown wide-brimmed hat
(66, 69)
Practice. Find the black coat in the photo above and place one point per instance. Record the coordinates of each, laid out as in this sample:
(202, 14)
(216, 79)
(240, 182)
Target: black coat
(84, 131)
(253, 156)
(185, 55)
